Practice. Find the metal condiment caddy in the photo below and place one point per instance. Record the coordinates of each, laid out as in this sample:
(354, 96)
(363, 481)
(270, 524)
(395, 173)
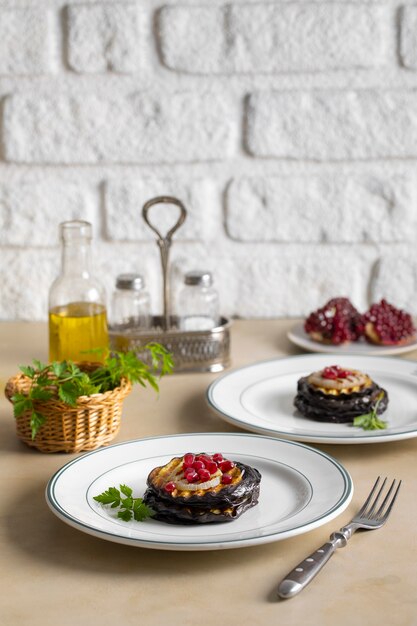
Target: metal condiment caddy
(197, 350)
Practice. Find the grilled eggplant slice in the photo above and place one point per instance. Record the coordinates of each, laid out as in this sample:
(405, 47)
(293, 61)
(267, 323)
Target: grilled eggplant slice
(177, 501)
(337, 395)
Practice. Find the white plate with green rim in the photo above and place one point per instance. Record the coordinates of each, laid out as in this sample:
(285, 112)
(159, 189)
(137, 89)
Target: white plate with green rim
(259, 398)
(301, 489)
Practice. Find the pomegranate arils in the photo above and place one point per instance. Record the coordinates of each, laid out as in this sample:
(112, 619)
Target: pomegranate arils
(337, 322)
(203, 467)
(388, 325)
(170, 487)
(188, 459)
(212, 467)
(192, 477)
(204, 475)
(203, 458)
(226, 465)
(335, 371)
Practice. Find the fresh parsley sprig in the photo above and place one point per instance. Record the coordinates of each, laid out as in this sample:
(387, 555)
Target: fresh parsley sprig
(118, 365)
(66, 381)
(371, 420)
(130, 507)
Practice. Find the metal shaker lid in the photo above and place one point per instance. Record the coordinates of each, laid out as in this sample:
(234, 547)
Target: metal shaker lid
(198, 277)
(134, 282)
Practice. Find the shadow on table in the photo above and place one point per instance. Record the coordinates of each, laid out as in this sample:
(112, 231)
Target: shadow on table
(196, 415)
(35, 530)
(9, 441)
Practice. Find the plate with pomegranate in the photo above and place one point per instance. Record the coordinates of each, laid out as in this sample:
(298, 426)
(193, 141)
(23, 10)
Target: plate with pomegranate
(299, 399)
(339, 328)
(301, 488)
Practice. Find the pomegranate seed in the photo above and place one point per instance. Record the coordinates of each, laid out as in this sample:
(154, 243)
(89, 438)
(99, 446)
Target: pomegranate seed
(226, 479)
(204, 475)
(198, 465)
(217, 457)
(203, 458)
(170, 487)
(226, 465)
(212, 467)
(188, 459)
(192, 477)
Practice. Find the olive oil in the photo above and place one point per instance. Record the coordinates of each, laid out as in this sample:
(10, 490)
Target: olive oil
(77, 313)
(76, 328)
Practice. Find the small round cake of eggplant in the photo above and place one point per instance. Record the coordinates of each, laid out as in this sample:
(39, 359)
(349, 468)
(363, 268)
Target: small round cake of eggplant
(201, 488)
(338, 395)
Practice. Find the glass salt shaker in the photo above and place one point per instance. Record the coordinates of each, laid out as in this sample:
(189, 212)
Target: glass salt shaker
(131, 302)
(198, 302)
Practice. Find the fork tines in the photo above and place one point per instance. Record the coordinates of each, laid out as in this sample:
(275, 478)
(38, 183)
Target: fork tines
(385, 507)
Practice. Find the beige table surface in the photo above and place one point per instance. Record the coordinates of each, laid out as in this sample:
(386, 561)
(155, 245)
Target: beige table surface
(54, 574)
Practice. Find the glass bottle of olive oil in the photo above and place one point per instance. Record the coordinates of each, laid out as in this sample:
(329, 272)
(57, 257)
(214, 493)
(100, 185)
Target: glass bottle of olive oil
(77, 302)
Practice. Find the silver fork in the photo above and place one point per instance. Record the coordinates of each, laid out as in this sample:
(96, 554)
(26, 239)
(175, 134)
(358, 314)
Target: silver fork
(369, 518)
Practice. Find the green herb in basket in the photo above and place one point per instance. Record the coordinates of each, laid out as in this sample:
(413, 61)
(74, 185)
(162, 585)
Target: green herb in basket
(65, 379)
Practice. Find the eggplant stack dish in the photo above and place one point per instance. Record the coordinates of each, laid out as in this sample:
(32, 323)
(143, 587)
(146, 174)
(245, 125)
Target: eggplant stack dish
(338, 395)
(201, 488)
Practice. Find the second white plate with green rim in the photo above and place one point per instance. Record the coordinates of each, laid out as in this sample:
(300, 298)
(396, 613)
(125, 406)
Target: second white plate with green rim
(259, 398)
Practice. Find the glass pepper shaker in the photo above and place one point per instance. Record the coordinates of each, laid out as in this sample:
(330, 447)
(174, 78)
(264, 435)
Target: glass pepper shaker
(131, 302)
(77, 300)
(198, 302)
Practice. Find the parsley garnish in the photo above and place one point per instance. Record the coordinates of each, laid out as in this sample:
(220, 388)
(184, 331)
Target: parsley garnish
(371, 421)
(65, 380)
(130, 507)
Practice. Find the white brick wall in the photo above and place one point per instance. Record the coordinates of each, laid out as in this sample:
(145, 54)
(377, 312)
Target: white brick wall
(31, 212)
(288, 129)
(133, 128)
(104, 37)
(25, 41)
(269, 38)
(408, 36)
(353, 210)
(333, 125)
(127, 197)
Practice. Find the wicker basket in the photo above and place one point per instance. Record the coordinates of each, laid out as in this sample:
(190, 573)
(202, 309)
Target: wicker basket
(92, 423)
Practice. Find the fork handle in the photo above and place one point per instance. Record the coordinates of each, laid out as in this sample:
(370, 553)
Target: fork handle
(305, 571)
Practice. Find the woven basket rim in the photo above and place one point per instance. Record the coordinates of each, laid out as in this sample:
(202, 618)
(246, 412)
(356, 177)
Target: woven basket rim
(12, 386)
(93, 420)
